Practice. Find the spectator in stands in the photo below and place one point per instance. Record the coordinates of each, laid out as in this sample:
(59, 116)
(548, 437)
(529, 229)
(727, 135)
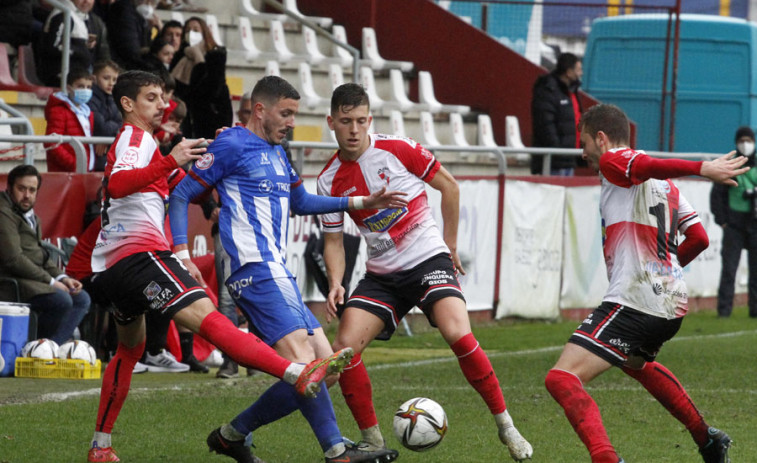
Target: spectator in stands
(130, 23)
(48, 48)
(171, 33)
(555, 113)
(58, 300)
(16, 22)
(195, 32)
(170, 131)
(67, 113)
(201, 83)
(97, 39)
(181, 5)
(244, 113)
(160, 55)
(735, 209)
(107, 118)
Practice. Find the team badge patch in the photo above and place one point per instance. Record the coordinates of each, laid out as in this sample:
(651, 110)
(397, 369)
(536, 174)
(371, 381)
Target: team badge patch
(130, 156)
(205, 162)
(266, 186)
(151, 291)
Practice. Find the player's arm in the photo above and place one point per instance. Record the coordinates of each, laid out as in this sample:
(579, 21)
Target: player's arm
(695, 243)
(127, 181)
(333, 255)
(188, 189)
(447, 185)
(304, 203)
(720, 170)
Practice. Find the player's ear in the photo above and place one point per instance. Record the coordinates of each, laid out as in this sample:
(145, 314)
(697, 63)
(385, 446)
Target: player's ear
(127, 103)
(330, 121)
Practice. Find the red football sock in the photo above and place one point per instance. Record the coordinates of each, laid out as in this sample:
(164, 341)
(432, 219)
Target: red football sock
(479, 372)
(582, 413)
(664, 386)
(358, 393)
(246, 349)
(116, 383)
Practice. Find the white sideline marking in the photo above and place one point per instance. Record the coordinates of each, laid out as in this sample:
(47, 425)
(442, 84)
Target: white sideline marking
(541, 350)
(62, 396)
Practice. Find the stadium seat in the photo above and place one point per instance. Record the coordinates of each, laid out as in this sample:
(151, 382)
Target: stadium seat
(272, 68)
(397, 122)
(458, 129)
(177, 16)
(250, 51)
(372, 55)
(291, 5)
(344, 56)
(512, 137)
(309, 96)
(212, 23)
(336, 76)
(279, 42)
(427, 129)
(6, 79)
(369, 83)
(27, 74)
(427, 96)
(397, 82)
(485, 134)
(311, 46)
(246, 7)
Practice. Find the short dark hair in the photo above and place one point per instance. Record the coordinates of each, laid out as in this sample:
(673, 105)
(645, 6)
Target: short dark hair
(609, 119)
(158, 45)
(350, 96)
(23, 170)
(744, 131)
(169, 24)
(78, 73)
(565, 62)
(271, 89)
(130, 82)
(180, 111)
(100, 65)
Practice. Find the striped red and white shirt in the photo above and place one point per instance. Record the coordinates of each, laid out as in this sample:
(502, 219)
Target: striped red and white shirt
(135, 191)
(640, 225)
(397, 239)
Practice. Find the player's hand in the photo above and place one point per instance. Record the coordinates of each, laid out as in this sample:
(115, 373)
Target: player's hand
(218, 131)
(101, 150)
(335, 296)
(458, 263)
(724, 169)
(383, 199)
(187, 150)
(215, 215)
(194, 271)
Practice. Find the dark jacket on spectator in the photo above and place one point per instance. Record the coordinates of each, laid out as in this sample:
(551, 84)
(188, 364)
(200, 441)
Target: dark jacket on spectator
(22, 255)
(48, 51)
(16, 22)
(209, 99)
(105, 112)
(96, 26)
(553, 120)
(128, 34)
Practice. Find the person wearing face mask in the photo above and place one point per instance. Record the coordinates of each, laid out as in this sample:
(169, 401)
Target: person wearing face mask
(130, 23)
(735, 209)
(67, 113)
(555, 113)
(48, 47)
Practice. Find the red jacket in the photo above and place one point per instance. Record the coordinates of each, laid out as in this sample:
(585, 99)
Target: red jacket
(63, 121)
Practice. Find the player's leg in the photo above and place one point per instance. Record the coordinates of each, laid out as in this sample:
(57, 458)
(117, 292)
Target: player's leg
(730, 253)
(450, 315)
(115, 386)
(357, 328)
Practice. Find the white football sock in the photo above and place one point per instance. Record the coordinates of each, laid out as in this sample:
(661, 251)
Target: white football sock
(101, 440)
(335, 450)
(292, 373)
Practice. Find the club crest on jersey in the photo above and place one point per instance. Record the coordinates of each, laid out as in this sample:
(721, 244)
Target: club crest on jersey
(205, 162)
(427, 154)
(130, 156)
(384, 219)
(265, 186)
(383, 174)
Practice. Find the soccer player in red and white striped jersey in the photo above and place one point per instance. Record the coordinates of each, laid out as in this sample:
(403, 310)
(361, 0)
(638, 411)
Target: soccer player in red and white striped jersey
(642, 213)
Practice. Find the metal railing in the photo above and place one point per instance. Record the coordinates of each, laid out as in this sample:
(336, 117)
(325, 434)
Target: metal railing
(21, 120)
(76, 142)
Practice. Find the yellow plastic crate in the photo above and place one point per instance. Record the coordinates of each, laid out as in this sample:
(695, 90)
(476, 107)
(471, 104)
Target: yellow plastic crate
(67, 369)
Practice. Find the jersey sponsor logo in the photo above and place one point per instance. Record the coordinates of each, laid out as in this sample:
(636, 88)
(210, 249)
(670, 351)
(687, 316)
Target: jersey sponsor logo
(235, 287)
(281, 186)
(131, 155)
(205, 162)
(348, 191)
(426, 154)
(384, 219)
(437, 277)
(621, 345)
(157, 296)
(265, 186)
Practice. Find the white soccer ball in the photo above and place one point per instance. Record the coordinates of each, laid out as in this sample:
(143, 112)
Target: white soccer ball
(420, 424)
(77, 350)
(41, 349)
